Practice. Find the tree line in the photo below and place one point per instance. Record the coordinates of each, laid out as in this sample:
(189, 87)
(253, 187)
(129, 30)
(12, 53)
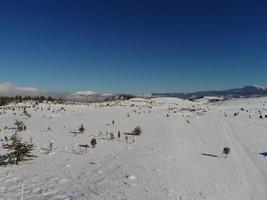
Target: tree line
(17, 99)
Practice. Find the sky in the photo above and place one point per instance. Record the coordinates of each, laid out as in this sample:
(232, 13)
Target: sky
(133, 46)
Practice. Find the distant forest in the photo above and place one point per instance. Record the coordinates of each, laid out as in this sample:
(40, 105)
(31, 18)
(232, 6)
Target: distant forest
(17, 99)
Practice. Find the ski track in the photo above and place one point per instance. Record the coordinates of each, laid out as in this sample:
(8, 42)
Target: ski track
(249, 169)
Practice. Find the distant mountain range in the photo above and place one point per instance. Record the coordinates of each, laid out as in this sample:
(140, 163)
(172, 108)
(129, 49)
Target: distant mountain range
(247, 91)
(8, 89)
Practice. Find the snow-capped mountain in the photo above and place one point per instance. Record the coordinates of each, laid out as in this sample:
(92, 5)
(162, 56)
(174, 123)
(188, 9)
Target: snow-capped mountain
(247, 91)
(260, 87)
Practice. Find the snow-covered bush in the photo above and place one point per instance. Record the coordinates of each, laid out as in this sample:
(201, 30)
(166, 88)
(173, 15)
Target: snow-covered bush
(20, 125)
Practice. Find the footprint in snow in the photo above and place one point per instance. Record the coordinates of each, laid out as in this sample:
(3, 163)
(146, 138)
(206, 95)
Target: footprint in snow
(68, 166)
(63, 181)
(37, 191)
(3, 189)
(115, 156)
(93, 163)
(131, 177)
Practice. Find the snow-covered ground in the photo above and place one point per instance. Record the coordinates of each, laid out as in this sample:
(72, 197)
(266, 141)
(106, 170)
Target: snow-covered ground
(178, 156)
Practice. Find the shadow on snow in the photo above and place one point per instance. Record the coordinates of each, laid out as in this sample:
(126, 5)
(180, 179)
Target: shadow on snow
(263, 154)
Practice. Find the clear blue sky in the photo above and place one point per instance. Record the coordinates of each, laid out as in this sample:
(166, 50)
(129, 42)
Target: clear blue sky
(133, 46)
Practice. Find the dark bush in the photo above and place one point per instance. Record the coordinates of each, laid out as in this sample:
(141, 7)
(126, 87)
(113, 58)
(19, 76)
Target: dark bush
(226, 151)
(81, 129)
(93, 142)
(137, 130)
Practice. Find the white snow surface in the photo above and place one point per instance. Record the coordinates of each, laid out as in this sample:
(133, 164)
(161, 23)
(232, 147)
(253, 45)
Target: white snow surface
(178, 156)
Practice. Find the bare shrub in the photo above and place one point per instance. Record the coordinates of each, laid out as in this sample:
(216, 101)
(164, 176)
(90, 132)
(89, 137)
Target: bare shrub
(20, 125)
(81, 129)
(137, 130)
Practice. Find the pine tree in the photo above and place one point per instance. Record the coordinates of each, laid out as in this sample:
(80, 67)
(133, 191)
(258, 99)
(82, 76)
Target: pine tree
(18, 149)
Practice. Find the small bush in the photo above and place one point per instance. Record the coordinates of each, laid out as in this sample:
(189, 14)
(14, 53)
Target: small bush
(93, 142)
(81, 129)
(26, 113)
(226, 151)
(20, 125)
(137, 130)
(50, 146)
(18, 149)
(111, 136)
